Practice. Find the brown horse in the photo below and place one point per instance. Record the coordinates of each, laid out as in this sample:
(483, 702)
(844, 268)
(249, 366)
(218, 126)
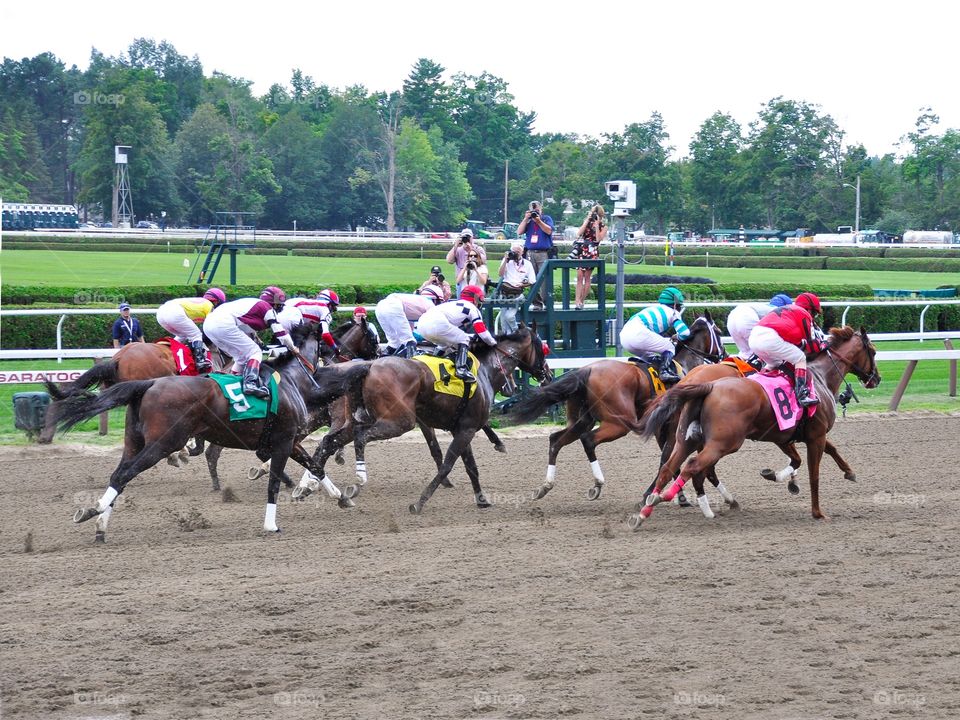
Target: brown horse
(667, 433)
(717, 418)
(163, 413)
(399, 395)
(612, 393)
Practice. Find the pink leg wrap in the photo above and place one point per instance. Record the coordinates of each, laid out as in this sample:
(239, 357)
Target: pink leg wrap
(671, 492)
(646, 511)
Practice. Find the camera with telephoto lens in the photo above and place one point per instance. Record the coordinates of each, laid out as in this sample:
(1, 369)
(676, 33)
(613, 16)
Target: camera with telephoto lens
(577, 252)
(471, 266)
(534, 214)
(513, 255)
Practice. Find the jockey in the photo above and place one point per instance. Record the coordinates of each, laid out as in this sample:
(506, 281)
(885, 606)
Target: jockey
(444, 326)
(180, 318)
(783, 335)
(397, 310)
(645, 332)
(231, 325)
(745, 316)
(316, 310)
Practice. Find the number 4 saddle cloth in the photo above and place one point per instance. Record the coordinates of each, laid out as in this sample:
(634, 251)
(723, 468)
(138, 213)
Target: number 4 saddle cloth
(783, 401)
(246, 407)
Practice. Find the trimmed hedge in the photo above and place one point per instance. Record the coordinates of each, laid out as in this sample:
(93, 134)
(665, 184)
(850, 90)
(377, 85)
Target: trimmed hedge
(912, 264)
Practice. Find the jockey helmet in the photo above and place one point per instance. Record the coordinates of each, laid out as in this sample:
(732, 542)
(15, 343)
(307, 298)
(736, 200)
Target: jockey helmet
(780, 300)
(216, 296)
(809, 302)
(359, 312)
(433, 293)
(273, 295)
(329, 297)
(473, 293)
(670, 296)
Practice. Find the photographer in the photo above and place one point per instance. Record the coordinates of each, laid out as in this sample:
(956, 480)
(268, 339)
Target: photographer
(474, 272)
(537, 230)
(587, 247)
(518, 274)
(462, 247)
(437, 279)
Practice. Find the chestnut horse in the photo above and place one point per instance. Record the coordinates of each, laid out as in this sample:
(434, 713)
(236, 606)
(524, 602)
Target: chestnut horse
(612, 393)
(717, 417)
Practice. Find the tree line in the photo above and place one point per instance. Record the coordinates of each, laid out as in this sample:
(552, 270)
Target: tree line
(432, 153)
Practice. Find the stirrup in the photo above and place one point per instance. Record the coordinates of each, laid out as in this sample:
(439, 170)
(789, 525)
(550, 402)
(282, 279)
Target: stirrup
(255, 389)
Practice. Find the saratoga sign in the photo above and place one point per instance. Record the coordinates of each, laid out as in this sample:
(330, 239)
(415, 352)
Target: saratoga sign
(38, 376)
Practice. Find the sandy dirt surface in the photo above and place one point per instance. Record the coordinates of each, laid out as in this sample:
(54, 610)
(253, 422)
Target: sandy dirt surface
(552, 609)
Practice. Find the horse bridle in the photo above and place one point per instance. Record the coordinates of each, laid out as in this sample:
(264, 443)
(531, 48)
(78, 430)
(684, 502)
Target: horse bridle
(708, 357)
(861, 374)
(541, 375)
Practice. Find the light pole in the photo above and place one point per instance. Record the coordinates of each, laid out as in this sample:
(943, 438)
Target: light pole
(856, 223)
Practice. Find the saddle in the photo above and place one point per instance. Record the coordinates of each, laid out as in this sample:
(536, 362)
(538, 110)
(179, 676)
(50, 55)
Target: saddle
(183, 361)
(778, 386)
(651, 365)
(742, 366)
(445, 381)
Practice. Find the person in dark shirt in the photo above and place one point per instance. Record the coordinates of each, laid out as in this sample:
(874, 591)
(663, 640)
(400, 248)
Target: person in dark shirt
(126, 329)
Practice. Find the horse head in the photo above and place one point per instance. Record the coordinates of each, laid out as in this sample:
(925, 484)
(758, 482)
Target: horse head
(704, 340)
(358, 339)
(525, 348)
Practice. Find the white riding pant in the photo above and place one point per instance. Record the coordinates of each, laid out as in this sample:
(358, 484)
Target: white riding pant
(637, 339)
(228, 336)
(290, 317)
(438, 330)
(773, 349)
(172, 318)
(741, 320)
(389, 313)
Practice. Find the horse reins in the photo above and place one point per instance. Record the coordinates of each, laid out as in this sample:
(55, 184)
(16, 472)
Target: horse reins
(526, 367)
(708, 356)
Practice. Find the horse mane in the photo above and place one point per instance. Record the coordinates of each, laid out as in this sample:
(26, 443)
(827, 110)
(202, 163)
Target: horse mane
(481, 349)
(839, 335)
(342, 329)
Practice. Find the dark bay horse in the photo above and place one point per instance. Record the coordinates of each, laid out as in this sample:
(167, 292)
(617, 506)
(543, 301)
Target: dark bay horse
(163, 413)
(667, 433)
(399, 395)
(717, 417)
(612, 393)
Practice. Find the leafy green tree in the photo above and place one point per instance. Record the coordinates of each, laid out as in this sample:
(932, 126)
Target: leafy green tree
(450, 194)
(295, 151)
(427, 99)
(716, 169)
(23, 172)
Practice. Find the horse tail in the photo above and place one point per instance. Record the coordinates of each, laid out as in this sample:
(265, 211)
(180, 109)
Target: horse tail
(338, 380)
(77, 408)
(666, 406)
(99, 374)
(536, 402)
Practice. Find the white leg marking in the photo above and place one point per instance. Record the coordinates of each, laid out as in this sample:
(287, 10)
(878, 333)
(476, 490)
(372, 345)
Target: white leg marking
(107, 499)
(786, 474)
(332, 490)
(704, 502)
(103, 519)
(597, 472)
(361, 472)
(270, 518)
(693, 429)
(727, 495)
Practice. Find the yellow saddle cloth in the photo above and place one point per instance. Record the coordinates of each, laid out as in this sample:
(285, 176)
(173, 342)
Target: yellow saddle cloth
(445, 381)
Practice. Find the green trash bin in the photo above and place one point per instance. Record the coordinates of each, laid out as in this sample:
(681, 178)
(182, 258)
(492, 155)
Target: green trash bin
(30, 411)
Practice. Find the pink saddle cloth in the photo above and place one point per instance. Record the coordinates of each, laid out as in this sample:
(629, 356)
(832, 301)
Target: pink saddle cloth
(782, 399)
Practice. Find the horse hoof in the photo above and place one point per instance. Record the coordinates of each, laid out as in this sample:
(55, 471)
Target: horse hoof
(733, 504)
(300, 493)
(256, 472)
(482, 502)
(272, 530)
(768, 474)
(446, 483)
(173, 460)
(351, 491)
(84, 514)
(851, 476)
(100, 537)
(345, 502)
(635, 521)
(215, 487)
(338, 458)
(541, 492)
(682, 500)
(793, 488)
(500, 447)
(594, 492)
(415, 509)
(184, 457)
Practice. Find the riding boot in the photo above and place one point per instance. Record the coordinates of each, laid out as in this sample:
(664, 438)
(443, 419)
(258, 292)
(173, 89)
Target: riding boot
(462, 363)
(805, 394)
(667, 372)
(408, 350)
(200, 356)
(251, 381)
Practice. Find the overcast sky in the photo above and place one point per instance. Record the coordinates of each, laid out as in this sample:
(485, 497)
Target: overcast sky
(583, 67)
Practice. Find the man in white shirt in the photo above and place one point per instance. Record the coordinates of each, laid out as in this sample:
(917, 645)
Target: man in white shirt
(518, 274)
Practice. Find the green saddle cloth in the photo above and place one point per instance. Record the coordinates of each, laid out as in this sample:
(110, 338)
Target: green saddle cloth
(246, 407)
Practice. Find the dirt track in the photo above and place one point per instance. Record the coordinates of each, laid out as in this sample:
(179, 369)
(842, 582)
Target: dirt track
(528, 610)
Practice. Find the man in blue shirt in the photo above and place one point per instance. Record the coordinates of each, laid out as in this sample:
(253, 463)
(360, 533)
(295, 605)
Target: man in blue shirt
(126, 329)
(537, 230)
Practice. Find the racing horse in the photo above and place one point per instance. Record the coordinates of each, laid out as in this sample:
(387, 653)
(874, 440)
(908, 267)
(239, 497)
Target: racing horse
(398, 395)
(717, 417)
(162, 413)
(613, 394)
(667, 432)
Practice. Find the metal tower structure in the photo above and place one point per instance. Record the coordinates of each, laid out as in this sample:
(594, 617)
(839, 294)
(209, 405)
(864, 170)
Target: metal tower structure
(122, 199)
